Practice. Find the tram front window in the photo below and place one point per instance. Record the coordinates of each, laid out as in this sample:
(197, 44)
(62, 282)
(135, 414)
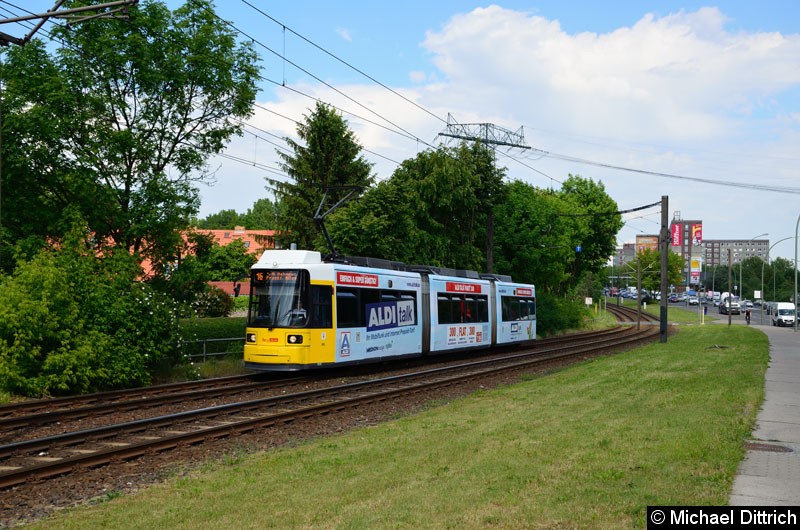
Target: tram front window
(279, 299)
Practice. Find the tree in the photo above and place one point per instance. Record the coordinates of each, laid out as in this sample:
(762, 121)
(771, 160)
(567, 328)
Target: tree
(222, 220)
(428, 212)
(532, 242)
(330, 158)
(379, 224)
(490, 191)
(263, 215)
(71, 322)
(648, 261)
(230, 262)
(124, 116)
(599, 217)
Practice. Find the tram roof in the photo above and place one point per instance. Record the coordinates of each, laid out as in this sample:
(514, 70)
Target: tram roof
(311, 257)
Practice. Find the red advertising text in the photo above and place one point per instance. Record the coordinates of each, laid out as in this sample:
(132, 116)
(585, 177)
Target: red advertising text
(357, 279)
(676, 235)
(458, 287)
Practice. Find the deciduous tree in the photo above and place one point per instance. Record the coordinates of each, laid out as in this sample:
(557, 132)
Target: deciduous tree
(121, 120)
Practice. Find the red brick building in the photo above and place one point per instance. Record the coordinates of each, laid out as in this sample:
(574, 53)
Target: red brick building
(255, 241)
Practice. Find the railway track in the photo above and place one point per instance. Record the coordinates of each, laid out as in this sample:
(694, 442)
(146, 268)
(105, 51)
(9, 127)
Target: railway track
(44, 457)
(35, 413)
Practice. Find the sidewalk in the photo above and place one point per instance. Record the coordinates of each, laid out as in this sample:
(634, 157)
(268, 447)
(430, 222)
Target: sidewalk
(770, 472)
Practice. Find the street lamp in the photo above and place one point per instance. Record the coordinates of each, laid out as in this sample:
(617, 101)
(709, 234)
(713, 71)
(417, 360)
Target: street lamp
(794, 301)
(741, 259)
(762, 276)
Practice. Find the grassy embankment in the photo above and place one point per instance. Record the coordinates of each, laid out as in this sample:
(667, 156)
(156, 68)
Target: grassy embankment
(585, 447)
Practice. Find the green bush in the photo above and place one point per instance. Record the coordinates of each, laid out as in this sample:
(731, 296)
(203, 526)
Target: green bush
(213, 302)
(555, 314)
(73, 323)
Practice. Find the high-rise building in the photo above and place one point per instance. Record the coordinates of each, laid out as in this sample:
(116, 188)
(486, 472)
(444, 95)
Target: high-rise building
(716, 250)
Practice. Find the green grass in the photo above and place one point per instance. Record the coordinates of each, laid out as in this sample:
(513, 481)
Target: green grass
(216, 328)
(590, 446)
(221, 367)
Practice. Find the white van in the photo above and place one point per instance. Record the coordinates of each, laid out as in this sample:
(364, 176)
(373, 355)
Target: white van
(783, 314)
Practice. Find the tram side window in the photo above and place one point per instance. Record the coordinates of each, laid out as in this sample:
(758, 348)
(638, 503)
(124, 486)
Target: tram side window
(482, 312)
(457, 309)
(347, 308)
(476, 309)
(351, 304)
(321, 310)
(445, 310)
(258, 313)
(468, 309)
(518, 308)
(531, 308)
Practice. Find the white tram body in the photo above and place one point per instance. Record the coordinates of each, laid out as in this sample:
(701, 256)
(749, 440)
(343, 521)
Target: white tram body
(308, 313)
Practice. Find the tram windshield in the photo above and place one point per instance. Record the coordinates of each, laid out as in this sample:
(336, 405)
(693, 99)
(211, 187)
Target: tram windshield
(278, 299)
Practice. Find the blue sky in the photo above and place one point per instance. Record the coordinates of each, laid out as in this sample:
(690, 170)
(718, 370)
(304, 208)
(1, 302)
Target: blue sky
(706, 91)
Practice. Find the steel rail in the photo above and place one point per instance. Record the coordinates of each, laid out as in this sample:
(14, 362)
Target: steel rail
(38, 413)
(350, 395)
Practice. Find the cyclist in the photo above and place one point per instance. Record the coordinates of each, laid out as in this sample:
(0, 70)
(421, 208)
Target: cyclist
(747, 315)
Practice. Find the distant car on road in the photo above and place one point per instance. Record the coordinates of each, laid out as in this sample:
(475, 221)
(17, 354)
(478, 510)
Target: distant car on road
(693, 300)
(728, 306)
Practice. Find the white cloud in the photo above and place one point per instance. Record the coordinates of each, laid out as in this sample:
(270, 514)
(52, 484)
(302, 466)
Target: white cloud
(677, 94)
(344, 34)
(417, 77)
(680, 73)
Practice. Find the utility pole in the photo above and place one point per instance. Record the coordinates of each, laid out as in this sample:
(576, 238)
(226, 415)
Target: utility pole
(489, 135)
(664, 242)
(116, 10)
(729, 301)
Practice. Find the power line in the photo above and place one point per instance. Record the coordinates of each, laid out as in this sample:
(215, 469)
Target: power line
(545, 153)
(619, 212)
(320, 48)
(731, 184)
(279, 55)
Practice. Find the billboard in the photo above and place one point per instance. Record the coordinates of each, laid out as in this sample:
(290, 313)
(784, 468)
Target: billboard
(675, 230)
(646, 242)
(696, 266)
(697, 235)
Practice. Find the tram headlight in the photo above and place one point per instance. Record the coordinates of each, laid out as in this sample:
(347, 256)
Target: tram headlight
(251, 337)
(294, 339)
